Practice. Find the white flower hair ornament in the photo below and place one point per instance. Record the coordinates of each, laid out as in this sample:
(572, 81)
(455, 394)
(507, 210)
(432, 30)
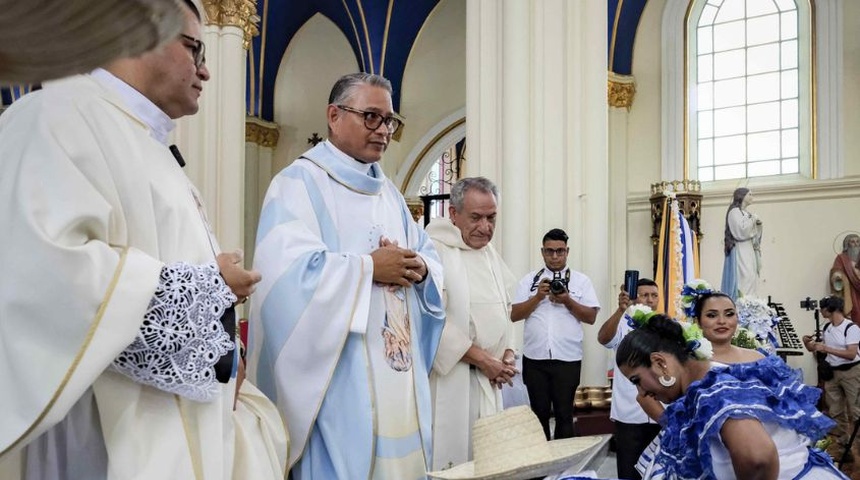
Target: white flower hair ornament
(638, 315)
(691, 293)
(697, 344)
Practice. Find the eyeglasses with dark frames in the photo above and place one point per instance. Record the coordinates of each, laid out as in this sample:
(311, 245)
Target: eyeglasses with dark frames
(554, 252)
(198, 51)
(373, 120)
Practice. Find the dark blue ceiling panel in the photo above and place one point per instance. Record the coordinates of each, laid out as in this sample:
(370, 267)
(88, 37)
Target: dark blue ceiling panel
(380, 32)
(10, 93)
(623, 16)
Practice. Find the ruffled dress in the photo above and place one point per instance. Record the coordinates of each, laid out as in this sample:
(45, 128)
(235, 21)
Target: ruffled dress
(768, 390)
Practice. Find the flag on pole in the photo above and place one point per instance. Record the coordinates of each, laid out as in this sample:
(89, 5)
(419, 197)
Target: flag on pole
(677, 257)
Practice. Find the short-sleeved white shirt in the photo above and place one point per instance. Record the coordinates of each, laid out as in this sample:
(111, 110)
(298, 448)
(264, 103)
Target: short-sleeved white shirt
(839, 338)
(551, 331)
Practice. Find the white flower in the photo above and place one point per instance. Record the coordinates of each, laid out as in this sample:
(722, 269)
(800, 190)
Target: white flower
(705, 350)
(638, 307)
(755, 315)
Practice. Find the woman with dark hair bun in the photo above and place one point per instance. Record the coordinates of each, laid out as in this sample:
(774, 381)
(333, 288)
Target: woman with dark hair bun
(745, 421)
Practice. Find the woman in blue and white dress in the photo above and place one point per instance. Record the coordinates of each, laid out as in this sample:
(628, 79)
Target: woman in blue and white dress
(744, 421)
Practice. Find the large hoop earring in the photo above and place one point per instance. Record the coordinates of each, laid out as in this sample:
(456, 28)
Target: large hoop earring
(667, 381)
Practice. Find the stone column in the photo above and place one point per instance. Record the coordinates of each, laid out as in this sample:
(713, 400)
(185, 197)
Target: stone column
(620, 92)
(261, 138)
(212, 141)
(537, 124)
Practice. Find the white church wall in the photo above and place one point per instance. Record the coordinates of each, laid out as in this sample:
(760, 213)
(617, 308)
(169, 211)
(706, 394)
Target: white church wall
(802, 218)
(316, 57)
(850, 90)
(803, 228)
(434, 82)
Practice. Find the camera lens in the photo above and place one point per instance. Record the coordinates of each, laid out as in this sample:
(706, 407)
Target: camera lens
(557, 287)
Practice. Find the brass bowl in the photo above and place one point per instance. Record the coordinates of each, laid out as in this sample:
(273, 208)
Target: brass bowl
(582, 404)
(601, 403)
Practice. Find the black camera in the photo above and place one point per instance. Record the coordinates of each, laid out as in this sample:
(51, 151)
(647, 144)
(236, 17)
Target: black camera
(809, 304)
(557, 286)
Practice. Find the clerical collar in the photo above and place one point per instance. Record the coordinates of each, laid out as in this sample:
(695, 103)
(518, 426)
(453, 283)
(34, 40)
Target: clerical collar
(159, 123)
(365, 168)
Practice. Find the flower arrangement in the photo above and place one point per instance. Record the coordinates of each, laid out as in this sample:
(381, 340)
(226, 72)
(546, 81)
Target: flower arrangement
(759, 319)
(691, 293)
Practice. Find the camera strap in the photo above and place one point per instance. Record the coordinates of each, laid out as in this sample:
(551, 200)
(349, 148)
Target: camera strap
(536, 280)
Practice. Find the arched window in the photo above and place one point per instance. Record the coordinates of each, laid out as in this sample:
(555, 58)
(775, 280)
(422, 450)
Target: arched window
(749, 77)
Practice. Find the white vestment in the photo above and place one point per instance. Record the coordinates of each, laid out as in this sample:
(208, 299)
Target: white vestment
(346, 360)
(93, 207)
(478, 291)
(747, 260)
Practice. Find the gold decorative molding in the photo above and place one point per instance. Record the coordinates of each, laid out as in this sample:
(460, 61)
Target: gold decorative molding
(620, 90)
(675, 186)
(416, 208)
(235, 13)
(261, 132)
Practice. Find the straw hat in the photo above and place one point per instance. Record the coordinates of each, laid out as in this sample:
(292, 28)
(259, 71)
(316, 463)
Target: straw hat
(45, 39)
(511, 445)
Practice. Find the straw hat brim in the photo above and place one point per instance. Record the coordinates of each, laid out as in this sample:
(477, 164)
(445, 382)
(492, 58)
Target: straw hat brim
(562, 454)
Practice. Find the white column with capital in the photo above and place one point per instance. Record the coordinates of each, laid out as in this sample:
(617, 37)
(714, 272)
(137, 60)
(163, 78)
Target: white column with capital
(213, 141)
(261, 138)
(537, 122)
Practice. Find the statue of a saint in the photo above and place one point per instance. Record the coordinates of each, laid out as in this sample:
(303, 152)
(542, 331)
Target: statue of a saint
(742, 247)
(845, 276)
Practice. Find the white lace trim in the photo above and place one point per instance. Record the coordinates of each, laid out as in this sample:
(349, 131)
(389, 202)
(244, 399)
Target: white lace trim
(181, 337)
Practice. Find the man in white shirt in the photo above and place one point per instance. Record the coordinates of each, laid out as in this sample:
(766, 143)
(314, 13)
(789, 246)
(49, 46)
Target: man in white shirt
(633, 415)
(554, 301)
(839, 342)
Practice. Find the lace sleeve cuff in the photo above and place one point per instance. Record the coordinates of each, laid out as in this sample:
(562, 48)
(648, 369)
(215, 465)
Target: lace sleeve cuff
(181, 337)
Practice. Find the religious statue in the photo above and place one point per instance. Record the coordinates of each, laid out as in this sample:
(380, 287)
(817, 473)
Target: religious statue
(845, 275)
(742, 247)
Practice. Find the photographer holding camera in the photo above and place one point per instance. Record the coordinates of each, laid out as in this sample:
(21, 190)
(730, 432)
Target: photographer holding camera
(840, 340)
(554, 301)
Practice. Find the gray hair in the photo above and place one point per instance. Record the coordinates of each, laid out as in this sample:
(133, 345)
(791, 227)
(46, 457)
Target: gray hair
(344, 86)
(458, 191)
(845, 240)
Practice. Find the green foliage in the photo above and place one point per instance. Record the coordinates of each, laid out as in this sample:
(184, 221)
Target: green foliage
(744, 338)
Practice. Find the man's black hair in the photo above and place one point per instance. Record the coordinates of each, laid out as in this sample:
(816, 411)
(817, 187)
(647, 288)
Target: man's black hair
(832, 304)
(555, 234)
(646, 282)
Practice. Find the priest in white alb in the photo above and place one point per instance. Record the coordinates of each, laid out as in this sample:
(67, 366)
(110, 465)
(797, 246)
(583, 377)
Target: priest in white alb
(346, 321)
(476, 353)
(116, 305)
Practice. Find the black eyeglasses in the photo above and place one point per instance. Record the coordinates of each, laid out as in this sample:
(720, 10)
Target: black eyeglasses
(198, 51)
(373, 120)
(554, 252)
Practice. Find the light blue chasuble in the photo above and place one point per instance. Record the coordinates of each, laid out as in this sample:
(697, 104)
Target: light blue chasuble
(346, 360)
